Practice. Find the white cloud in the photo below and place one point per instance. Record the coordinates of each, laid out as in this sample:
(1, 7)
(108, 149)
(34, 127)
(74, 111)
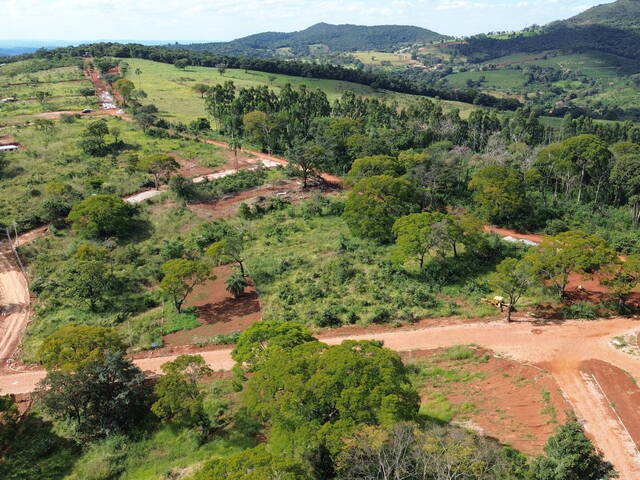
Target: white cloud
(225, 19)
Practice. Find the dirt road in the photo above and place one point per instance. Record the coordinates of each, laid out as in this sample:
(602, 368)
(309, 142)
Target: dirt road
(560, 348)
(14, 303)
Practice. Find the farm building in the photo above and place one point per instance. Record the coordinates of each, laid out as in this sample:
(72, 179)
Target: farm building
(8, 148)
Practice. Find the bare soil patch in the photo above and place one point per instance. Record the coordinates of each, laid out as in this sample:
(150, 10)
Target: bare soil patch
(518, 404)
(218, 311)
(228, 205)
(621, 392)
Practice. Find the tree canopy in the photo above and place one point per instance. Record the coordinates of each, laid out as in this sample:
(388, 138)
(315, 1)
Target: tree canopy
(103, 216)
(375, 203)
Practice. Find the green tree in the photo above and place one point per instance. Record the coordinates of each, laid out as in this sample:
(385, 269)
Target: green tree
(236, 284)
(512, 278)
(181, 276)
(413, 235)
(138, 73)
(158, 166)
(42, 96)
(625, 175)
(72, 346)
(229, 249)
(182, 63)
(179, 399)
(500, 194)
(375, 203)
(93, 138)
(257, 342)
(105, 397)
(201, 88)
(623, 278)
(308, 158)
(102, 216)
(182, 187)
(315, 395)
(591, 159)
(125, 88)
(373, 166)
(87, 92)
(570, 455)
(262, 127)
(252, 464)
(573, 251)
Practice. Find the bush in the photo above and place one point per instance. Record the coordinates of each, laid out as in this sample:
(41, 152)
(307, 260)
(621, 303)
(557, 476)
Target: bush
(580, 310)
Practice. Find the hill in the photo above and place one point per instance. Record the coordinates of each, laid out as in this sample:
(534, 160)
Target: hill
(622, 14)
(613, 28)
(324, 36)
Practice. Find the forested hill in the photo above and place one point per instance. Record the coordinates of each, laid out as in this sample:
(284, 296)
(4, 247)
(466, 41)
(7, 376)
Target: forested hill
(623, 14)
(337, 38)
(612, 28)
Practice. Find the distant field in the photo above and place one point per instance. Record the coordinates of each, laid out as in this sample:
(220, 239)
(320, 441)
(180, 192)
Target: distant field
(495, 79)
(171, 90)
(22, 81)
(383, 58)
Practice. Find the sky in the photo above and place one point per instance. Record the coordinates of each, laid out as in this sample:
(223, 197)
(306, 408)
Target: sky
(223, 20)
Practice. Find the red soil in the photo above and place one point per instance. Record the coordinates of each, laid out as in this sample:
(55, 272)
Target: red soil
(218, 311)
(509, 399)
(621, 394)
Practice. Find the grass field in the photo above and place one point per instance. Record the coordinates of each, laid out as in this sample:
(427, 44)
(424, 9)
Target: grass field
(495, 79)
(382, 58)
(55, 157)
(23, 81)
(171, 90)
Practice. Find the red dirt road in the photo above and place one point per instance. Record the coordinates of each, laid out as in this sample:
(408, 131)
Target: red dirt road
(560, 348)
(14, 304)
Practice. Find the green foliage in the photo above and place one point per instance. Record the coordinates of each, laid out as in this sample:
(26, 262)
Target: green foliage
(236, 284)
(73, 346)
(262, 339)
(512, 278)
(570, 455)
(375, 203)
(158, 166)
(254, 464)
(179, 399)
(102, 216)
(100, 398)
(9, 418)
(374, 166)
(500, 195)
(229, 249)
(324, 393)
(573, 251)
(181, 276)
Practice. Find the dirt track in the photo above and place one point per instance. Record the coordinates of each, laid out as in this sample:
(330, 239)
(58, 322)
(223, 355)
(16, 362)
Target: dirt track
(14, 303)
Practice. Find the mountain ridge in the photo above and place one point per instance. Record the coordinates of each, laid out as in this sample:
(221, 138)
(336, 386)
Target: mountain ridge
(335, 38)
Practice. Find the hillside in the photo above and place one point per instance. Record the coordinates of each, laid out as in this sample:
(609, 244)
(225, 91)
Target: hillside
(623, 14)
(337, 38)
(612, 28)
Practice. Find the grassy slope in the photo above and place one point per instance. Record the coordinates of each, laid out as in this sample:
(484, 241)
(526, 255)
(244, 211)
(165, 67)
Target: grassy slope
(171, 91)
(62, 83)
(22, 190)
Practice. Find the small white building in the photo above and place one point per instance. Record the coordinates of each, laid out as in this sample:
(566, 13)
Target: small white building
(8, 148)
